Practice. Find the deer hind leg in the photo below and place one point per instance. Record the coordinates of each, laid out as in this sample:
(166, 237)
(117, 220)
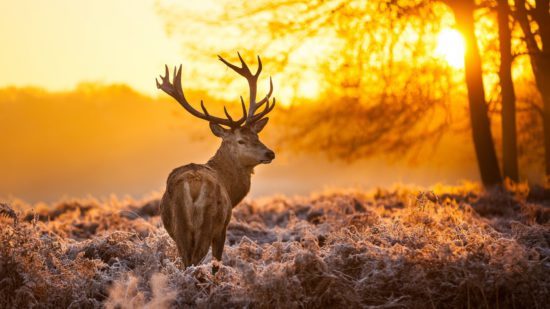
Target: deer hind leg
(184, 226)
(184, 244)
(217, 245)
(217, 250)
(202, 245)
(202, 222)
(218, 241)
(183, 249)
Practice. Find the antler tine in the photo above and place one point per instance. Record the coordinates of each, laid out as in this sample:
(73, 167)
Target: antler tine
(259, 67)
(235, 68)
(174, 89)
(177, 82)
(268, 95)
(252, 79)
(268, 108)
(166, 75)
(227, 114)
(244, 107)
(204, 110)
(245, 67)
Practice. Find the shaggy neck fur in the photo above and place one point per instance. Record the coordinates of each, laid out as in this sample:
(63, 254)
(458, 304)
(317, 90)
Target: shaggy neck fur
(233, 175)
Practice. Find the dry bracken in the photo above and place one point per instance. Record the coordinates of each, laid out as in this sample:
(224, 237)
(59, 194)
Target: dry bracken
(386, 248)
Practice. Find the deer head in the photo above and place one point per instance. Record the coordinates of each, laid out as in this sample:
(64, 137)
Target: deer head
(239, 137)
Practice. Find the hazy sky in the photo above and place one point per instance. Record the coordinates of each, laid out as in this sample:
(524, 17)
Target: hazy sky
(58, 43)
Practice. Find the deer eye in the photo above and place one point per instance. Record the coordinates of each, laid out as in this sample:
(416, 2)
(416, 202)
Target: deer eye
(241, 142)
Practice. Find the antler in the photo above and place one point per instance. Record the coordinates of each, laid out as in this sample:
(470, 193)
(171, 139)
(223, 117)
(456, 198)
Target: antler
(252, 84)
(174, 90)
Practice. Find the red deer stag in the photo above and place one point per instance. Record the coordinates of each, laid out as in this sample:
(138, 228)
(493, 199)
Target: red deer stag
(196, 207)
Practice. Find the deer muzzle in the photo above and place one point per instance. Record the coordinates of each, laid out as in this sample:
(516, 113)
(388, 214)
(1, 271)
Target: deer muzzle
(269, 156)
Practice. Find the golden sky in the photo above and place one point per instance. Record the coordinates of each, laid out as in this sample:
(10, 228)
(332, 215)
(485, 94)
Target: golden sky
(56, 44)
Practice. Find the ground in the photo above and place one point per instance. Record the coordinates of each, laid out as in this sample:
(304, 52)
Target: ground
(404, 247)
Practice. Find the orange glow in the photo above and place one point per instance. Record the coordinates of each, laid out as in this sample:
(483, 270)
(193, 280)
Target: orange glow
(97, 138)
(308, 89)
(58, 44)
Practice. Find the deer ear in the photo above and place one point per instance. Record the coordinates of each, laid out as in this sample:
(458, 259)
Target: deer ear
(218, 130)
(259, 125)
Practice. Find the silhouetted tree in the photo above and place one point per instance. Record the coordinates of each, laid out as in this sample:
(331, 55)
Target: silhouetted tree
(509, 139)
(535, 24)
(481, 127)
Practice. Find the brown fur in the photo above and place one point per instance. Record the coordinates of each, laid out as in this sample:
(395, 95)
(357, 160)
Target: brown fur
(196, 207)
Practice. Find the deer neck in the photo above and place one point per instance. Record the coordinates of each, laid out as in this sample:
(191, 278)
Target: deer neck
(233, 175)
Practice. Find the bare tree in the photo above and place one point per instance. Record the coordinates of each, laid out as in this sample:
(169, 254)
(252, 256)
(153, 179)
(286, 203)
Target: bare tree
(479, 118)
(535, 24)
(509, 134)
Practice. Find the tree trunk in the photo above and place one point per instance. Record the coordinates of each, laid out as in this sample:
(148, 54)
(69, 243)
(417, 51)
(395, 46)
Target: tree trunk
(479, 118)
(545, 93)
(540, 59)
(509, 139)
(542, 16)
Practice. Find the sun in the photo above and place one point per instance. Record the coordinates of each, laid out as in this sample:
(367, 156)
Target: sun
(308, 89)
(450, 47)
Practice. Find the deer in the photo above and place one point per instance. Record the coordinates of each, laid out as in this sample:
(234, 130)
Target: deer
(199, 198)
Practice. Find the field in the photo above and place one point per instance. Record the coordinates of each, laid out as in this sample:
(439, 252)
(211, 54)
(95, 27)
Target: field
(404, 247)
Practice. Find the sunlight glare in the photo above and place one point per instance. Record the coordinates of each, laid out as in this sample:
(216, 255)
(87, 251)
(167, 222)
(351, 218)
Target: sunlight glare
(450, 47)
(308, 89)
